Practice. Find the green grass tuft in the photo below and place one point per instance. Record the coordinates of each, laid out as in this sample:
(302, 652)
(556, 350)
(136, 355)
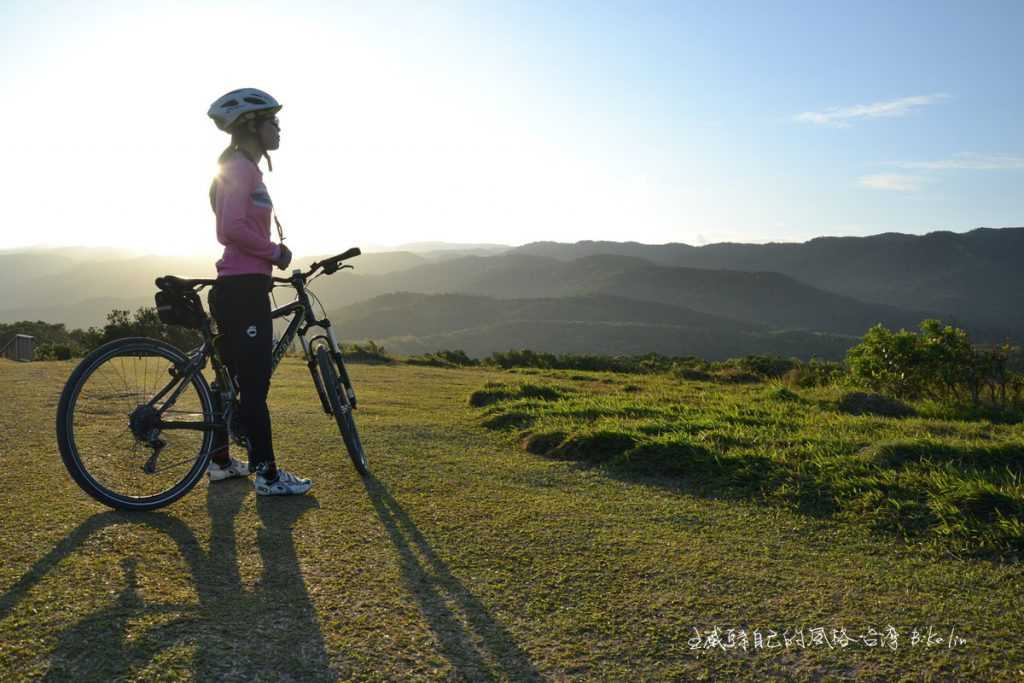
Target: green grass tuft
(860, 403)
(593, 447)
(543, 443)
(947, 485)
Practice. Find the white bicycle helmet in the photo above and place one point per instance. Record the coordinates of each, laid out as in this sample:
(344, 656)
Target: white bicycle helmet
(241, 105)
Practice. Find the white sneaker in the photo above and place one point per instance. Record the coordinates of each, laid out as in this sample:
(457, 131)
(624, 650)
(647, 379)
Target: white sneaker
(286, 484)
(233, 469)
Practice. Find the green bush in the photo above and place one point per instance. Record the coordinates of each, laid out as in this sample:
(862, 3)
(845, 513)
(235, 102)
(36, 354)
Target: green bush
(524, 358)
(370, 352)
(145, 322)
(765, 366)
(51, 351)
(692, 374)
(643, 364)
(939, 363)
(815, 373)
(49, 336)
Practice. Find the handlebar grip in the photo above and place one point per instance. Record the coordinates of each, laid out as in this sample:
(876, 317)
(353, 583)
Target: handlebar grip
(354, 251)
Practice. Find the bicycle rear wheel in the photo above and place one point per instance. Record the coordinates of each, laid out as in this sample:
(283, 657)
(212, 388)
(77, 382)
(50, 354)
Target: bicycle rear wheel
(106, 434)
(337, 397)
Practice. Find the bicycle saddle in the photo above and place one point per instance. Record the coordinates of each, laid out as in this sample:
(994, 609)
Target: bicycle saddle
(172, 282)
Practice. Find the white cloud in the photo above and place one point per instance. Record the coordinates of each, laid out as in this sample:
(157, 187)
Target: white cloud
(974, 162)
(893, 181)
(840, 116)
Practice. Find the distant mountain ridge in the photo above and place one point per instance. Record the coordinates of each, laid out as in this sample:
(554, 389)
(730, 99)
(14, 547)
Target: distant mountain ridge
(766, 299)
(811, 298)
(973, 276)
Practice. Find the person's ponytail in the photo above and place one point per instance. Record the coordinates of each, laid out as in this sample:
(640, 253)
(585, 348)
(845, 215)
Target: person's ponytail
(238, 134)
(228, 151)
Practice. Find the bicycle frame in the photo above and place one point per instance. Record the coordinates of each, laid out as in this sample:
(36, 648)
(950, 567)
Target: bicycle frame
(304, 319)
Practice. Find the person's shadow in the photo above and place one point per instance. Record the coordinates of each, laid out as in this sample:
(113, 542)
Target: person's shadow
(234, 634)
(483, 651)
(270, 632)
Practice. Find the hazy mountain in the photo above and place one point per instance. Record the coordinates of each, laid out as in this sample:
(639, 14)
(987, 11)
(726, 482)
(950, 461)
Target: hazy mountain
(374, 263)
(423, 314)
(434, 248)
(637, 289)
(42, 286)
(767, 299)
(78, 314)
(62, 285)
(415, 323)
(971, 276)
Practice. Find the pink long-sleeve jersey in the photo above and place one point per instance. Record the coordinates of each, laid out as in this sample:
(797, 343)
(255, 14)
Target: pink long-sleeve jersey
(243, 209)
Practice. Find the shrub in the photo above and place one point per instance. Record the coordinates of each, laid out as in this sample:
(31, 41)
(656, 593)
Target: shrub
(693, 375)
(51, 351)
(691, 369)
(521, 359)
(370, 352)
(939, 363)
(815, 373)
(736, 376)
(647, 363)
(145, 322)
(49, 336)
(765, 366)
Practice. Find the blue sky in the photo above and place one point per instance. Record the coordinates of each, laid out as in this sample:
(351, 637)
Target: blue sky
(512, 122)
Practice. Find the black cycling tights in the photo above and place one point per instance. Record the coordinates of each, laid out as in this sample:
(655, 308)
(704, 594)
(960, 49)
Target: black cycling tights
(240, 305)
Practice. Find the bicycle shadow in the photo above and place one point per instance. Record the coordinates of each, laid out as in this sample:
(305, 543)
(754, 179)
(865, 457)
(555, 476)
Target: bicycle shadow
(434, 587)
(232, 633)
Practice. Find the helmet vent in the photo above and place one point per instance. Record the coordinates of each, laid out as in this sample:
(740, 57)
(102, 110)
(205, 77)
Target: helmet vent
(254, 100)
(230, 103)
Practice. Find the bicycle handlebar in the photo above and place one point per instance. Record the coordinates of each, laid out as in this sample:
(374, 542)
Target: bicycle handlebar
(329, 265)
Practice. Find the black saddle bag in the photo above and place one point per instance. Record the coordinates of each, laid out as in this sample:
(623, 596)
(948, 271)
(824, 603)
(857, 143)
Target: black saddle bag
(176, 307)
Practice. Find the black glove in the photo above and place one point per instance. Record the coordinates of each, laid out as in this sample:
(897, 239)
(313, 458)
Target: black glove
(284, 258)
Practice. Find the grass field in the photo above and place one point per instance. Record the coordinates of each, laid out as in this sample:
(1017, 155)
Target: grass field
(468, 557)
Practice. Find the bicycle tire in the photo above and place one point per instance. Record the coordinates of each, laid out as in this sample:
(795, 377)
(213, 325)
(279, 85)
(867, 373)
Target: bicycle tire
(70, 448)
(342, 410)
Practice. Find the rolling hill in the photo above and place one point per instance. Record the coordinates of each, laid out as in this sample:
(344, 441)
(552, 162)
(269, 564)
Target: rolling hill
(409, 323)
(767, 299)
(973, 276)
(795, 299)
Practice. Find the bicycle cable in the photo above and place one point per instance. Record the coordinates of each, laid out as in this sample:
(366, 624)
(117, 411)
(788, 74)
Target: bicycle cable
(317, 299)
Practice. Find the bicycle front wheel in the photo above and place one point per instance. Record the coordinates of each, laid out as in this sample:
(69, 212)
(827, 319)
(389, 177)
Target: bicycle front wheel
(337, 397)
(110, 441)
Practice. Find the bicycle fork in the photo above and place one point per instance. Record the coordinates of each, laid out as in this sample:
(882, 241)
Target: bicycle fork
(311, 363)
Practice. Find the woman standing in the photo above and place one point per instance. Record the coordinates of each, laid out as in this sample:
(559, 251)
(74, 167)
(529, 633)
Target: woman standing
(239, 301)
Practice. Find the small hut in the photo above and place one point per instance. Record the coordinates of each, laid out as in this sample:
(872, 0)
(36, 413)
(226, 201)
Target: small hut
(20, 348)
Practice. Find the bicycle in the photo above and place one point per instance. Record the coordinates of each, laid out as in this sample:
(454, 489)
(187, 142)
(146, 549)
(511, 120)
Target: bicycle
(133, 444)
